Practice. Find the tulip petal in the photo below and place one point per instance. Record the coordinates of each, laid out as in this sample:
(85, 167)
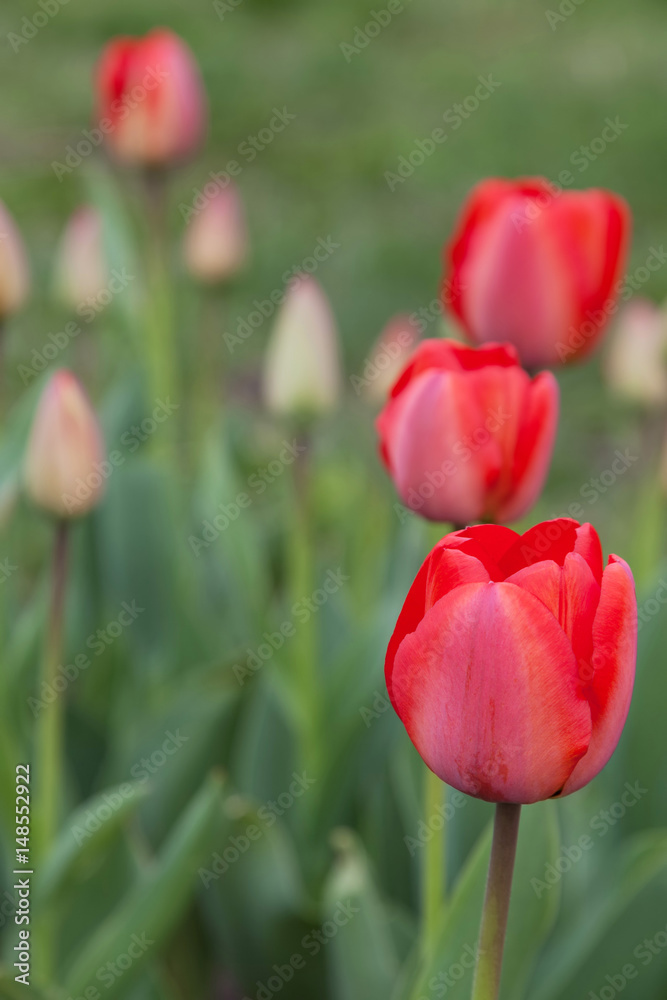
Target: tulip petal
(537, 434)
(614, 658)
(486, 687)
(588, 545)
(442, 571)
(548, 540)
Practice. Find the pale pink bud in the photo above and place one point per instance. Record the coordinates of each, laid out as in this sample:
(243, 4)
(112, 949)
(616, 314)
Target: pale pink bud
(302, 366)
(14, 271)
(81, 268)
(65, 456)
(388, 358)
(636, 367)
(215, 245)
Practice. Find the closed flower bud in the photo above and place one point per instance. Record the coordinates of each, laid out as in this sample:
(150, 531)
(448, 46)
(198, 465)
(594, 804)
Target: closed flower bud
(388, 358)
(302, 366)
(466, 435)
(536, 266)
(14, 271)
(65, 459)
(151, 98)
(636, 365)
(81, 270)
(513, 660)
(215, 245)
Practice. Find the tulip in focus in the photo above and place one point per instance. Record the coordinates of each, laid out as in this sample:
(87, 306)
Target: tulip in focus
(466, 434)
(65, 452)
(302, 365)
(81, 268)
(513, 660)
(388, 358)
(536, 266)
(215, 245)
(636, 365)
(14, 271)
(151, 105)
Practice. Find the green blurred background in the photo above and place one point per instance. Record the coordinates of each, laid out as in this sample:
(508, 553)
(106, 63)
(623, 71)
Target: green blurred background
(323, 177)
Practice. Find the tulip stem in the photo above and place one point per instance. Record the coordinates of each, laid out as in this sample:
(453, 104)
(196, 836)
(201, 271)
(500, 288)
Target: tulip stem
(49, 740)
(433, 869)
(496, 902)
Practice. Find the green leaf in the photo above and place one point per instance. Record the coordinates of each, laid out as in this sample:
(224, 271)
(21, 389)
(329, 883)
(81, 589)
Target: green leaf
(80, 841)
(152, 909)
(361, 954)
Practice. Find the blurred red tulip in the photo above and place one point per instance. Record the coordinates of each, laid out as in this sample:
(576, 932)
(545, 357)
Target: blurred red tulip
(81, 267)
(65, 452)
(513, 660)
(536, 266)
(14, 271)
(150, 99)
(215, 245)
(466, 435)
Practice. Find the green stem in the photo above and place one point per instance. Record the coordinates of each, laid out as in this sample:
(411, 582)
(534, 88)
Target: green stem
(496, 902)
(433, 870)
(49, 756)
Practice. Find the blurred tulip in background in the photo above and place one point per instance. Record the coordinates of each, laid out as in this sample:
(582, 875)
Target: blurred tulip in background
(215, 244)
(14, 270)
(81, 270)
(636, 363)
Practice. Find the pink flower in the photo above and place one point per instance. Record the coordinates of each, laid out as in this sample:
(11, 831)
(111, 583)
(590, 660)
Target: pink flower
(466, 435)
(215, 245)
(150, 99)
(513, 660)
(536, 266)
(14, 271)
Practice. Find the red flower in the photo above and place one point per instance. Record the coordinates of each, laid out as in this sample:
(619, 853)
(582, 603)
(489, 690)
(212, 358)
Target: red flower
(512, 662)
(537, 267)
(466, 435)
(150, 100)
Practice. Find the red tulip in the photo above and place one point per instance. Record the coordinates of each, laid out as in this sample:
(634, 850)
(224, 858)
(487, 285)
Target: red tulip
(512, 662)
(466, 435)
(536, 266)
(151, 103)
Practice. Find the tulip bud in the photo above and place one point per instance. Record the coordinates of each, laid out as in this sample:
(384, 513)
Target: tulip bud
(536, 266)
(513, 660)
(636, 367)
(65, 456)
(14, 272)
(387, 359)
(302, 366)
(466, 435)
(81, 271)
(150, 96)
(215, 244)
